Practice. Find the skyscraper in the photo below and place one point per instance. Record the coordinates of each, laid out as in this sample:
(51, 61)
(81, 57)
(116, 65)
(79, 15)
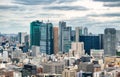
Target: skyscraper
(91, 42)
(66, 40)
(46, 38)
(110, 42)
(118, 37)
(27, 41)
(85, 31)
(64, 37)
(21, 37)
(35, 33)
(62, 25)
(73, 35)
(55, 40)
(78, 33)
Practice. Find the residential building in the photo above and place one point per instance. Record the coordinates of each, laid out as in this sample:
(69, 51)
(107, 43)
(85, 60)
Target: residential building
(53, 67)
(68, 72)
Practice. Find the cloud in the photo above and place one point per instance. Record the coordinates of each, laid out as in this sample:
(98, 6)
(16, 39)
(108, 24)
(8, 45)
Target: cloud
(77, 8)
(17, 14)
(93, 24)
(50, 14)
(112, 15)
(8, 7)
(107, 0)
(117, 4)
(45, 15)
(80, 21)
(110, 3)
(34, 2)
(105, 15)
(12, 8)
(65, 1)
(41, 2)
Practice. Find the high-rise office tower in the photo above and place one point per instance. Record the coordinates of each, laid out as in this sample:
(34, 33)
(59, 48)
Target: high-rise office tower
(78, 33)
(91, 42)
(62, 25)
(73, 35)
(101, 40)
(46, 38)
(64, 37)
(21, 37)
(110, 42)
(55, 40)
(85, 31)
(27, 41)
(118, 37)
(35, 33)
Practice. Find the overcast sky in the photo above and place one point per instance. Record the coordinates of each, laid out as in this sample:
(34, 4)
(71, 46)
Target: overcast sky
(16, 15)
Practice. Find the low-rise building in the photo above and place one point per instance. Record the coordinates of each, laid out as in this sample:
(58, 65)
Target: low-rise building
(53, 67)
(68, 72)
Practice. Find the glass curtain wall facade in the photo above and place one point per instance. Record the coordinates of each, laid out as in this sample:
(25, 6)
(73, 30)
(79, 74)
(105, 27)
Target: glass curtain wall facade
(35, 33)
(64, 37)
(46, 38)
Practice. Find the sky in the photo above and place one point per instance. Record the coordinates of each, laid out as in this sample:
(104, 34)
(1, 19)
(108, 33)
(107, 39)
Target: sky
(96, 15)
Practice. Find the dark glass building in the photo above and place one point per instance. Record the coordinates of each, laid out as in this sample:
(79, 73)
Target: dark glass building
(46, 38)
(87, 74)
(91, 42)
(62, 25)
(73, 35)
(29, 70)
(41, 34)
(35, 33)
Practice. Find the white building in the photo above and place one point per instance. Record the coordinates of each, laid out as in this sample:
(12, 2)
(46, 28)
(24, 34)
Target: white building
(97, 54)
(2, 65)
(17, 53)
(97, 74)
(5, 55)
(77, 49)
(35, 51)
(69, 73)
(17, 74)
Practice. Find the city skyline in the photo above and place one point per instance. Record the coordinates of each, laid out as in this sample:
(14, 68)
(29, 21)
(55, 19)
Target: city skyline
(16, 15)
